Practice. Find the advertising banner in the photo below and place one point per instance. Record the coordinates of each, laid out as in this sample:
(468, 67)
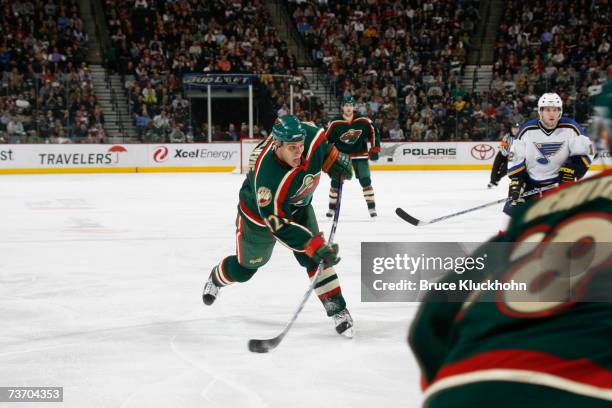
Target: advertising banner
(90, 158)
(225, 157)
(441, 156)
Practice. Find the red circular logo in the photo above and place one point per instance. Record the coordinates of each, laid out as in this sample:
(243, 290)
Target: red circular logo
(160, 154)
(483, 152)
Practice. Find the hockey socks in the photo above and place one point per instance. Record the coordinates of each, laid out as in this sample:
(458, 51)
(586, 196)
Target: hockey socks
(328, 290)
(368, 194)
(229, 271)
(333, 198)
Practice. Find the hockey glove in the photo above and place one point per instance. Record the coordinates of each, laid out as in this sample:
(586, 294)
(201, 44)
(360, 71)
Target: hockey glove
(338, 165)
(373, 153)
(514, 193)
(566, 175)
(319, 250)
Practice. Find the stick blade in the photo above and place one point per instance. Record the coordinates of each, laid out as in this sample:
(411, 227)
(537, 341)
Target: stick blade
(263, 346)
(407, 217)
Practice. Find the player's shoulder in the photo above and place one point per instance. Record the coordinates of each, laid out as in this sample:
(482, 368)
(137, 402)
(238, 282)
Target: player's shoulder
(567, 123)
(268, 170)
(310, 126)
(531, 124)
(361, 117)
(315, 136)
(312, 130)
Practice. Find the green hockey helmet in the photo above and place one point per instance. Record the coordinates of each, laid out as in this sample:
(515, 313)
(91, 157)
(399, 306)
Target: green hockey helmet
(348, 100)
(288, 129)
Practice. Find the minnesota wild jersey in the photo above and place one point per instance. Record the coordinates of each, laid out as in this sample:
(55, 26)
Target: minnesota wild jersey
(352, 137)
(553, 338)
(274, 193)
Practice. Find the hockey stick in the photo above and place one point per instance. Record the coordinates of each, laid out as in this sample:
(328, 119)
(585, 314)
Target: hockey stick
(411, 220)
(265, 345)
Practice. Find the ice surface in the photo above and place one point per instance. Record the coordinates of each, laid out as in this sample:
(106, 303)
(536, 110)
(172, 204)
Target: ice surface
(101, 278)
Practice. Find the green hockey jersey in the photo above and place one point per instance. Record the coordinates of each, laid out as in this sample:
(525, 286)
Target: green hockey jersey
(562, 344)
(273, 192)
(352, 137)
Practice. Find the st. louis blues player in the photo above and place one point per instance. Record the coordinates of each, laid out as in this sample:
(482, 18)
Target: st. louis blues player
(553, 149)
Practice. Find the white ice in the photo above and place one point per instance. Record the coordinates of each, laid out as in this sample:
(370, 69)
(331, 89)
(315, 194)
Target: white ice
(101, 278)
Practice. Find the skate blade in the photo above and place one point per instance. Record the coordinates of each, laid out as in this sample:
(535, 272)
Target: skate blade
(348, 333)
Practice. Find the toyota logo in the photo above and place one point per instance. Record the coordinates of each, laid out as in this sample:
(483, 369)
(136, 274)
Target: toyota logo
(483, 152)
(160, 154)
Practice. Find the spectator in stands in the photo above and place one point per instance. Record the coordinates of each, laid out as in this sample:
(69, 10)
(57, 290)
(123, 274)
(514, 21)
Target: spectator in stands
(161, 125)
(231, 133)
(244, 131)
(176, 134)
(396, 134)
(142, 121)
(15, 130)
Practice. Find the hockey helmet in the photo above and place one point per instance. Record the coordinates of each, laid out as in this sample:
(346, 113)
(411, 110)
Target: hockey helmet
(348, 100)
(288, 128)
(548, 100)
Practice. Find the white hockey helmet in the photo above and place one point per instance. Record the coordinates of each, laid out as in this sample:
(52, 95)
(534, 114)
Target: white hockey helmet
(550, 99)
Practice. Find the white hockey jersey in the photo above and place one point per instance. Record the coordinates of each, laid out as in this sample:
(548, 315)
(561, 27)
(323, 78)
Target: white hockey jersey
(542, 152)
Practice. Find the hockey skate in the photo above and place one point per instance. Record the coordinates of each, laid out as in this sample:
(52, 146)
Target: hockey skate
(344, 323)
(330, 214)
(492, 184)
(211, 292)
(373, 212)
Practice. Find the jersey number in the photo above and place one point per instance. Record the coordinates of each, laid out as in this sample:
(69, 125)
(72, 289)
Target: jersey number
(274, 222)
(556, 264)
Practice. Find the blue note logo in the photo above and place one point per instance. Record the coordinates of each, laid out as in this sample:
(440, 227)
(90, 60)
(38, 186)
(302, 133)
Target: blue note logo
(547, 150)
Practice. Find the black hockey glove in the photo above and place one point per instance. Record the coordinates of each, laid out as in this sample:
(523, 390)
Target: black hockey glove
(574, 168)
(566, 175)
(319, 250)
(338, 165)
(514, 193)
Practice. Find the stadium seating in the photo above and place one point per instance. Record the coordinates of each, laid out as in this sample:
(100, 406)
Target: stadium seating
(46, 93)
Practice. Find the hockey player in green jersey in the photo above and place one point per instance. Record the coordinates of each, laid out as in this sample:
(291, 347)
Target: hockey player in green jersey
(275, 205)
(351, 133)
(551, 345)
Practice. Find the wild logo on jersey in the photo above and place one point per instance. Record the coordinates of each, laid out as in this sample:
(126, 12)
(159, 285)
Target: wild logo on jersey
(547, 150)
(264, 196)
(351, 136)
(305, 191)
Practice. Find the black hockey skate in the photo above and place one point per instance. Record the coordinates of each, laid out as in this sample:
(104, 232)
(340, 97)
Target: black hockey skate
(211, 291)
(492, 184)
(330, 214)
(372, 212)
(344, 323)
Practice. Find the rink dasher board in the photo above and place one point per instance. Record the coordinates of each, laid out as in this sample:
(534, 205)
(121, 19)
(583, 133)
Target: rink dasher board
(222, 157)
